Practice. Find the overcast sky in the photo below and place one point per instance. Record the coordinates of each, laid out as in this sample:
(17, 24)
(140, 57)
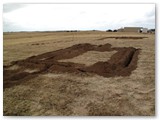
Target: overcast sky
(50, 17)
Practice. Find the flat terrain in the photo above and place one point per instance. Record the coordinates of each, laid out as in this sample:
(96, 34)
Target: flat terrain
(79, 73)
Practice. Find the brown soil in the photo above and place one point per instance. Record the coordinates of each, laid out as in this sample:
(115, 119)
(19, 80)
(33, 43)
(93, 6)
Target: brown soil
(122, 63)
(122, 38)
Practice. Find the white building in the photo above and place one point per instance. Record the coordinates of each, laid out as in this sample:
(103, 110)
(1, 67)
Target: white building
(144, 30)
(133, 29)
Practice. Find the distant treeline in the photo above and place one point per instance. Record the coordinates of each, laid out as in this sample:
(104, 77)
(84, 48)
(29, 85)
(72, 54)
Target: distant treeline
(111, 30)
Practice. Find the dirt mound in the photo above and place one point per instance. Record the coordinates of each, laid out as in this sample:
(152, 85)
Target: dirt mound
(120, 64)
(13, 77)
(102, 48)
(129, 37)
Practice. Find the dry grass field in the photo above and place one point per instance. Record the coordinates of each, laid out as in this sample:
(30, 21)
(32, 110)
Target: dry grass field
(27, 91)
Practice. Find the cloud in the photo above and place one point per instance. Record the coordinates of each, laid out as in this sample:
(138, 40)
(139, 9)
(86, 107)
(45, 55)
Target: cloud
(151, 13)
(42, 17)
(11, 7)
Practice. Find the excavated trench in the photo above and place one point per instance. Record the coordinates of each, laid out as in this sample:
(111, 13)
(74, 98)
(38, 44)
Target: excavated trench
(122, 63)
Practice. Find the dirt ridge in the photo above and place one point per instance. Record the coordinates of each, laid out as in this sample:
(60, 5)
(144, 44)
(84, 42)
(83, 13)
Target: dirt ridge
(122, 63)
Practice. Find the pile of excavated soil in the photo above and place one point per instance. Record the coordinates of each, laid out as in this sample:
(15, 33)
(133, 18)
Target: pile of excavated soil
(122, 63)
(130, 37)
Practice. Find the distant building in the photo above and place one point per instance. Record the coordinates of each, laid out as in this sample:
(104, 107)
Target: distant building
(120, 30)
(132, 29)
(144, 30)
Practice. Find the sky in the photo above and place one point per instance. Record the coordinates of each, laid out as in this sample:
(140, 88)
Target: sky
(52, 17)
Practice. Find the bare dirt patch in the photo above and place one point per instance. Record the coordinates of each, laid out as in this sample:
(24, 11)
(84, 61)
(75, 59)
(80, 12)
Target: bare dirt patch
(91, 57)
(122, 63)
